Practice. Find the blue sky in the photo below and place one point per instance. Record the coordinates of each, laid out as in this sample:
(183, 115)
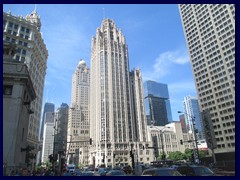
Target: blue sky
(153, 33)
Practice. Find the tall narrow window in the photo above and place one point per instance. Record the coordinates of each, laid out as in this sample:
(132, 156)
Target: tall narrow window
(22, 134)
(7, 89)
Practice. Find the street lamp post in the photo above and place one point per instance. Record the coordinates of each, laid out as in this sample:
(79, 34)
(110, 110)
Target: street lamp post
(163, 153)
(54, 144)
(196, 155)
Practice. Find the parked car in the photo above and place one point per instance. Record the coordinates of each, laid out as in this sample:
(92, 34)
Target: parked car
(87, 173)
(127, 169)
(160, 172)
(195, 170)
(116, 173)
(103, 171)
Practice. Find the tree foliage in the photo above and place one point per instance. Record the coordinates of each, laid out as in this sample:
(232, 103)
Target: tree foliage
(176, 156)
(187, 155)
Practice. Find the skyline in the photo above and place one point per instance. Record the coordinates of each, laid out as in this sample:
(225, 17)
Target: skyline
(156, 45)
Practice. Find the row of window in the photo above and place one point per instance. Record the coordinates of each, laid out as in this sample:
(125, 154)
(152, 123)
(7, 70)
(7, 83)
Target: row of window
(16, 26)
(205, 93)
(185, 9)
(201, 10)
(218, 11)
(204, 20)
(199, 68)
(226, 104)
(229, 117)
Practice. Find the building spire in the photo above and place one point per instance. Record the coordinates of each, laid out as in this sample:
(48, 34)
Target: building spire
(35, 8)
(103, 13)
(34, 18)
(47, 96)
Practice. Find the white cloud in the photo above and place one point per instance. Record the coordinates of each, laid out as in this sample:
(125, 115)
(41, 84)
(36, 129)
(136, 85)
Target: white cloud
(180, 87)
(164, 62)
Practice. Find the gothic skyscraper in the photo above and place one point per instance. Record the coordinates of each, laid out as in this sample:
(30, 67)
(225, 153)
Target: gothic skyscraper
(111, 119)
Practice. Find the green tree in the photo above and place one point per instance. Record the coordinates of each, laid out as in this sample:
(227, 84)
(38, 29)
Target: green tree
(188, 154)
(29, 154)
(176, 156)
(203, 154)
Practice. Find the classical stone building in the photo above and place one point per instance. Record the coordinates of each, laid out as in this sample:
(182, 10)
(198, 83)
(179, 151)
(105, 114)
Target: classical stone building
(78, 121)
(31, 50)
(18, 93)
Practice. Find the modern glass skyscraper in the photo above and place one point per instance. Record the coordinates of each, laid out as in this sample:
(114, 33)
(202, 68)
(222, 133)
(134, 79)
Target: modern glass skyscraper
(48, 107)
(60, 144)
(111, 120)
(48, 138)
(157, 102)
(210, 35)
(191, 107)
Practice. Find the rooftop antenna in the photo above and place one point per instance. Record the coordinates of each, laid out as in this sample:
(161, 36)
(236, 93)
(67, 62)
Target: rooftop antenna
(47, 96)
(35, 8)
(103, 13)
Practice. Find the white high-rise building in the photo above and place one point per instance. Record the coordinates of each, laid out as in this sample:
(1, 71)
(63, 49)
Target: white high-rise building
(210, 35)
(192, 110)
(113, 127)
(48, 136)
(78, 120)
(31, 49)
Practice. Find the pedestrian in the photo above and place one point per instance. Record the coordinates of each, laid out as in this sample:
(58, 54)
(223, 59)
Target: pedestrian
(25, 172)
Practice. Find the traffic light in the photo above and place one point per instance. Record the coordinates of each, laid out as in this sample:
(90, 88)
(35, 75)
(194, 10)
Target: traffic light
(90, 141)
(181, 141)
(192, 156)
(132, 157)
(131, 154)
(55, 157)
(50, 157)
(163, 156)
(62, 163)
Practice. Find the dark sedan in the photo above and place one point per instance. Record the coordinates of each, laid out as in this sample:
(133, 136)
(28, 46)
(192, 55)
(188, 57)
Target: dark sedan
(116, 173)
(195, 170)
(160, 172)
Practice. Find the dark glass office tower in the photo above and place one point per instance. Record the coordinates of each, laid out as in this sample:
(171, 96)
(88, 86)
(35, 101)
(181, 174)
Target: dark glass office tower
(157, 102)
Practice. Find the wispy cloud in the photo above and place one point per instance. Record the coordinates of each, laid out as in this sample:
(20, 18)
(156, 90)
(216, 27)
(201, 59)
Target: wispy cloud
(183, 86)
(68, 46)
(164, 62)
